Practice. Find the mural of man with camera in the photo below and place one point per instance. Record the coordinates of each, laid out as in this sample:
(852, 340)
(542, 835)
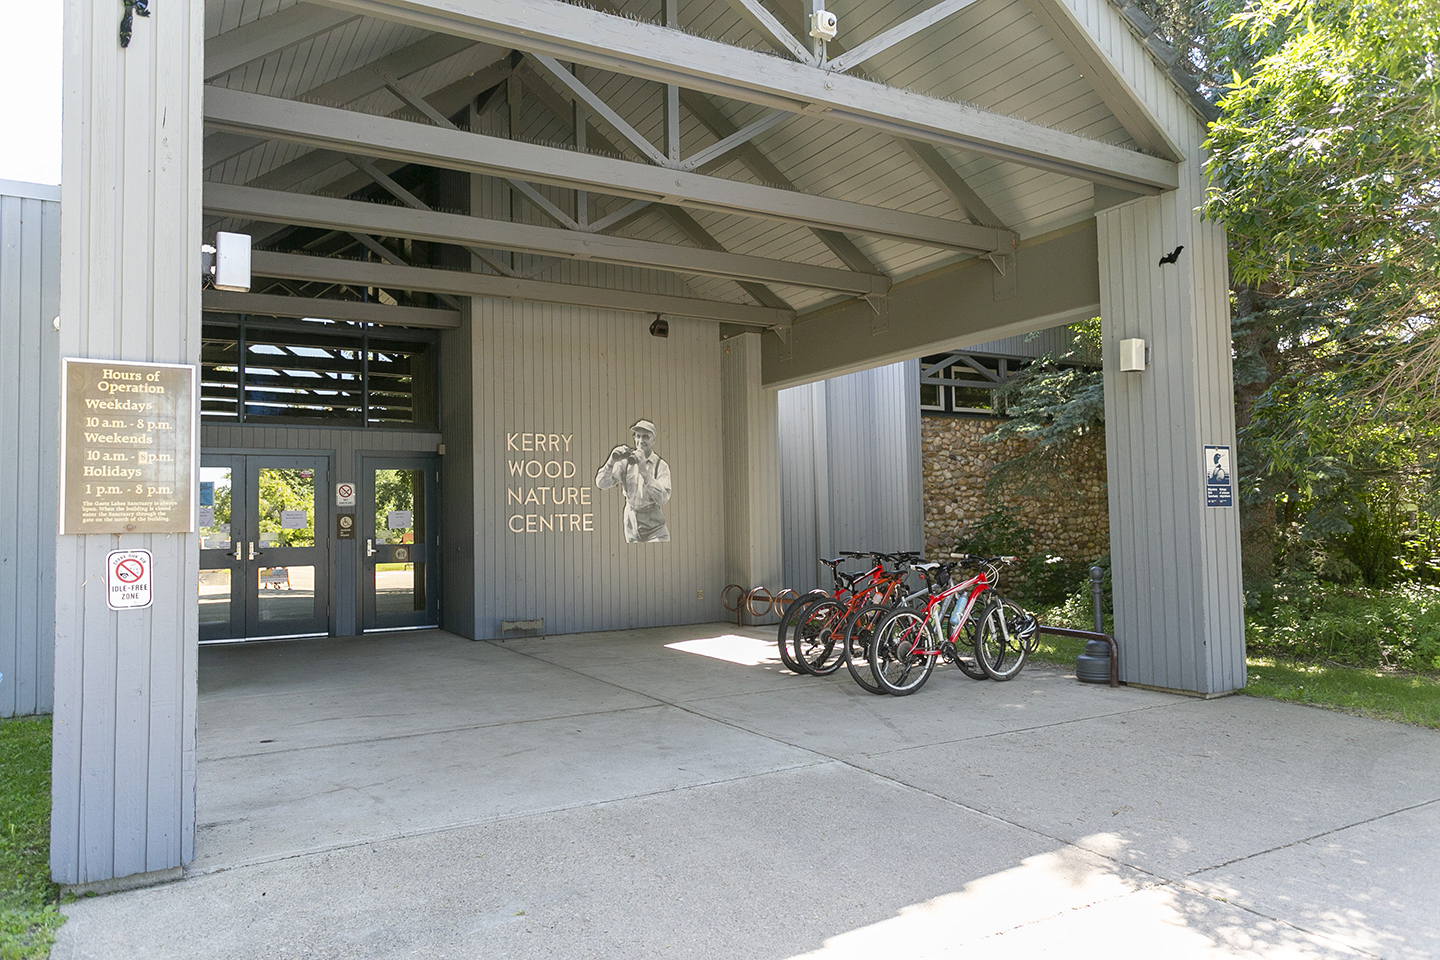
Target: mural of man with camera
(644, 477)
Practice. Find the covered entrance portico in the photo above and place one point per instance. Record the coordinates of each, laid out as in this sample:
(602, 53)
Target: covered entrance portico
(622, 229)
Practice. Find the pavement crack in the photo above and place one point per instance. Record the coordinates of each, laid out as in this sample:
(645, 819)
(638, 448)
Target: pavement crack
(360, 741)
(1316, 836)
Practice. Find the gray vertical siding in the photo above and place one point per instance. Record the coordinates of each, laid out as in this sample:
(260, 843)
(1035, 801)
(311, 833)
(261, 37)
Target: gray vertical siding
(750, 430)
(457, 503)
(850, 468)
(591, 374)
(29, 386)
(344, 447)
(1178, 595)
(124, 732)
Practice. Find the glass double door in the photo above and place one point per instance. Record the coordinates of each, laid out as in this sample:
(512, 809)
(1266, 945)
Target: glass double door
(264, 547)
(399, 542)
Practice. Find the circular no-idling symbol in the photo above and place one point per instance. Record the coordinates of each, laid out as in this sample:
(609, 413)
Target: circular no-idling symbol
(129, 571)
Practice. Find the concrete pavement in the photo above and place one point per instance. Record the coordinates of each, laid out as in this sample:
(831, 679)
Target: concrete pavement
(675, 793)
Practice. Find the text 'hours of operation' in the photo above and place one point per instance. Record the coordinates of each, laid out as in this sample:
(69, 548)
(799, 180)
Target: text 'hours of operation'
(128, 438)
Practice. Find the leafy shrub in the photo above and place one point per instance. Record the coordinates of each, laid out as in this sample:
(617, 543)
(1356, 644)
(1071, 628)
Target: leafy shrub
(1310, 621)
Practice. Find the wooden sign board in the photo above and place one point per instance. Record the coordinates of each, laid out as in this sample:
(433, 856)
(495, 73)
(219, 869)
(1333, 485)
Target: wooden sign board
(128, 434)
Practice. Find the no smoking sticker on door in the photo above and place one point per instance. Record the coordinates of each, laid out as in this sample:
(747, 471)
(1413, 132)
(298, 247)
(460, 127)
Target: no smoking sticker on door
(127, 579)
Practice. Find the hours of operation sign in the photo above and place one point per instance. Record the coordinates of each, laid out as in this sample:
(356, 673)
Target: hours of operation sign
(128, 442)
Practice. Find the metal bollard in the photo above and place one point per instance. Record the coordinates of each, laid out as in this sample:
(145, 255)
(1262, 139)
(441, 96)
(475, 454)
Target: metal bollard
(1097, 574)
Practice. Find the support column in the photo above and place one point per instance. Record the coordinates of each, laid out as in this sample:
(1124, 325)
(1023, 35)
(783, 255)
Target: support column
(1179, 603)
(751, 437)
(124, 754)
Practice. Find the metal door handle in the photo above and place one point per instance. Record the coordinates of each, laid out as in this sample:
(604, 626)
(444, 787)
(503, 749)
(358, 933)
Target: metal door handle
(369, 548)
(239, 550)
(253, 551)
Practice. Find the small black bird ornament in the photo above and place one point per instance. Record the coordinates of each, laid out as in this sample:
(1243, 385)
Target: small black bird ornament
(1171, 257)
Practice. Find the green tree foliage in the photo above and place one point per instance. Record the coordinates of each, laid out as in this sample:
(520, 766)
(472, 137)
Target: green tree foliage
(287, 489)
(1326, 170)
(1051, 403)
(395, 490)
(1326, 173)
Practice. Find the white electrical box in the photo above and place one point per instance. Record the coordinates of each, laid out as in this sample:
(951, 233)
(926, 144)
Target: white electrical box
(1132, 356)
(232, 262)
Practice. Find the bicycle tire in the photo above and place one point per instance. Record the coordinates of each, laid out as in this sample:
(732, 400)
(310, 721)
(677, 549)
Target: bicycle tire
(964, 651)
(815, 642)
(787, 621)
(896, 665)
(998, 646)
(859, 632)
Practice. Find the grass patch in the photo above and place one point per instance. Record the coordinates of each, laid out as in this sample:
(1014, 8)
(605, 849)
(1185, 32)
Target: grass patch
(1369, 691)
(1408, 698)
(28, 913)
(1073, 613)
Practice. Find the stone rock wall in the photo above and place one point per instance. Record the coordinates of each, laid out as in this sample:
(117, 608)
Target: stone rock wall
(1071, 521)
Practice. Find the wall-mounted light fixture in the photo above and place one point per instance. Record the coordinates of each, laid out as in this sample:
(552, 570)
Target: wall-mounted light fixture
(226, 265)
(1133, 356)
(660, 327)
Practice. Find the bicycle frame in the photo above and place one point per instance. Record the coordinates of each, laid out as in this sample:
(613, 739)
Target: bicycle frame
(977, 585)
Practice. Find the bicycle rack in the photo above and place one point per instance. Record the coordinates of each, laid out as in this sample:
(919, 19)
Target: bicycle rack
(759, 602)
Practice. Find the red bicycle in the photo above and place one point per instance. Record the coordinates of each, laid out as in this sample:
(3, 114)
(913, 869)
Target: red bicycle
(907, 643)
(817, 632)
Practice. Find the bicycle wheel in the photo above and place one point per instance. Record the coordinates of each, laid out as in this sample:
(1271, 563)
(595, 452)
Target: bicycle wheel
(859, 632)
(902, 653)
(792, 614)
(963, 651)
(998, 645)
(815, 643)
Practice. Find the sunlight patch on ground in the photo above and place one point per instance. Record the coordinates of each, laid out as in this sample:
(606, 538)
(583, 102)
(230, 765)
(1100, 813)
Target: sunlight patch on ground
(1041, 886)
(746, 651)
(1071, 903)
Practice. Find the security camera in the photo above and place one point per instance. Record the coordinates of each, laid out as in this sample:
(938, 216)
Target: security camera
(823, 25)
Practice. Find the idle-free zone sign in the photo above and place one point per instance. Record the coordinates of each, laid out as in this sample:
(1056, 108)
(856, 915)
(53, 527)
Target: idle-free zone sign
(127, 579)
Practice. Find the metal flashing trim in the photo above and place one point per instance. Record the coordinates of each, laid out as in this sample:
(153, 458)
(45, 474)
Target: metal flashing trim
(30, 191)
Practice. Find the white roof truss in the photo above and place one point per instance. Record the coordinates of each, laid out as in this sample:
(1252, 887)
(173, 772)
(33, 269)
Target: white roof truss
(444, 146)
(668, 56)
(274, 206)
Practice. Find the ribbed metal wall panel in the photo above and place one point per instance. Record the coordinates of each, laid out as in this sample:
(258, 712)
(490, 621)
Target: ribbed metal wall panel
(29, 391)
(850, 468)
